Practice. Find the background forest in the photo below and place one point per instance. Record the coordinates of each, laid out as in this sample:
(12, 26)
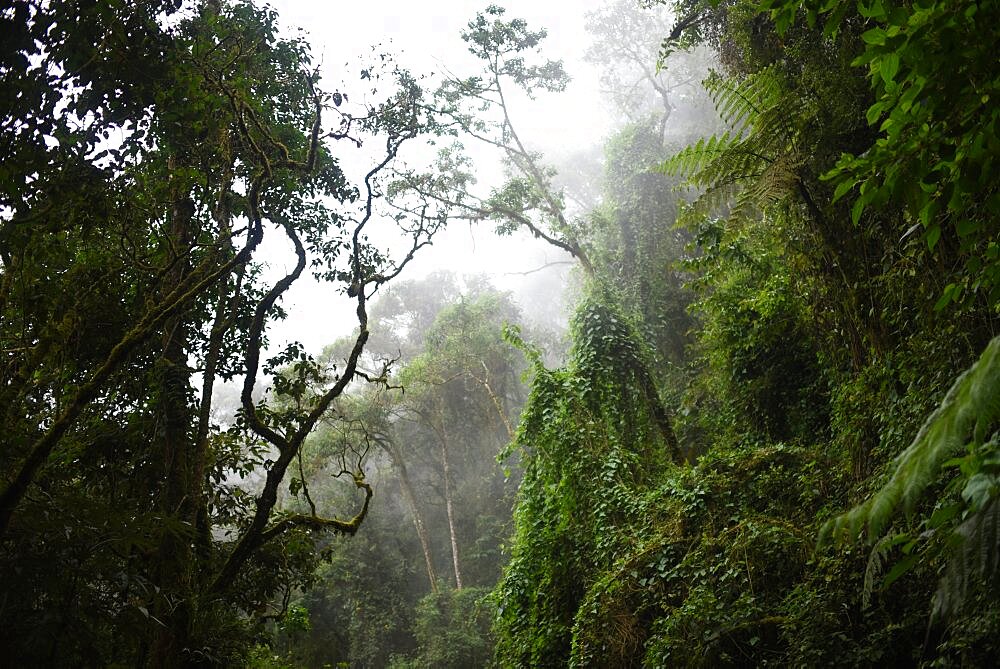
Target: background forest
(755, 423)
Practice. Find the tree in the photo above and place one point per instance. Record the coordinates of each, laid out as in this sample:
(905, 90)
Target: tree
(936, 135)
(460, 384)
(430, 434)
(626, 47)
(151, 151)
(478, 107)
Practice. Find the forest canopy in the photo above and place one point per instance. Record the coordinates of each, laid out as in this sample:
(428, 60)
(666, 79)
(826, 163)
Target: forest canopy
(764, 432)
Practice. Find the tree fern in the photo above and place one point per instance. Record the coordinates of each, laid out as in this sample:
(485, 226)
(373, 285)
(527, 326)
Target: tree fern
(753, 164)
(876, 564)
(976, 559)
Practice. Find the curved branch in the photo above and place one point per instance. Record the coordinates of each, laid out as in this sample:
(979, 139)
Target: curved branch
(257, 534)
(348, 527)
(254, 345)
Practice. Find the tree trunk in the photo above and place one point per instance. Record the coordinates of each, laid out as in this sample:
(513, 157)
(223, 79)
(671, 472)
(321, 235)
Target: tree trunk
(418, 521)
(450, 507)
(497, 403)
(172, 568)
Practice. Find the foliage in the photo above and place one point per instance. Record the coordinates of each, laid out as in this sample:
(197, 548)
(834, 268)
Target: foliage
(361, 608)
(149, 150)
(636, 247)
(459, 402)
(756, 162)
(760, 365)
(969, 410)
(936, 123)
(452, 630)
(835, 270)
(429, 435)
(965, 420)
(817, 351)
(583, 477)
(478, 108)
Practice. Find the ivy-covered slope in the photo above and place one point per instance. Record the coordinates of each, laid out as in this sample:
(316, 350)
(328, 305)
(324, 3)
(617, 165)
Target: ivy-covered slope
(623, 558)
(592, 444)
(840, 282)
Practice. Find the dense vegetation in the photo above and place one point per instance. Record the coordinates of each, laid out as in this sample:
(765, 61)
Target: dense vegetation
(843, 238)
(152, 154)
(769, 436)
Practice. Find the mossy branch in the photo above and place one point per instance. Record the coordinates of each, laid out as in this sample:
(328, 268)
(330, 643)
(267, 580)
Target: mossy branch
(314, 522)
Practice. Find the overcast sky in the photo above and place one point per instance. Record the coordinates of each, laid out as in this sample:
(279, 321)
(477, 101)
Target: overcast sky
(426, 37)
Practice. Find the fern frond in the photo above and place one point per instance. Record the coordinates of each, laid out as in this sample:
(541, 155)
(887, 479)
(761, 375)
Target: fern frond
(876, 564)
(748, 100)
(709, 203)
(968, 410)
(757, 155)
(737, 100)
(976, 559)
(692, 160)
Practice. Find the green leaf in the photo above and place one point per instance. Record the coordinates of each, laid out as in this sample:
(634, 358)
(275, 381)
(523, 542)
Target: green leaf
(889, 66)
(875, 36)
(872, 10)
(933, 236)
(856, 210)
(842, 188)
(784, 17)
(967, 227)
(874, 113)
(928, 211)
(945, 298)
(900, 568)
(943, 515)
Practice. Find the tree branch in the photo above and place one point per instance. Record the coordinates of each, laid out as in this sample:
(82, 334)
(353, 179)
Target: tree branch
(348, 527)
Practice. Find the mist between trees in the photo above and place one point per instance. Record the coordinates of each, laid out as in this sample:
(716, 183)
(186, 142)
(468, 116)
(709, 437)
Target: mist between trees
(747, 417)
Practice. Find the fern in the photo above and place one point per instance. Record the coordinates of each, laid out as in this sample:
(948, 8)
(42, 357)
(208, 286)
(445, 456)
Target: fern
(976, 559)
(969, 412)
(970, 408)
(876, 564)
(693, 160)
(752, 165)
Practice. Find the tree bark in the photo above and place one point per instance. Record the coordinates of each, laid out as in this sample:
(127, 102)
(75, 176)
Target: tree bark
(418, 520)
(449, 506)
(172, 568)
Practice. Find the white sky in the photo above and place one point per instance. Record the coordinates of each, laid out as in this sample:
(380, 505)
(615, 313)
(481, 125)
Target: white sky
(426, 37)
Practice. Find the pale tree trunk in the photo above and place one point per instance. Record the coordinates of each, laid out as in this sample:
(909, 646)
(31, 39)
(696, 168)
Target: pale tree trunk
(497, 404)
(418, 521)
(449, 505)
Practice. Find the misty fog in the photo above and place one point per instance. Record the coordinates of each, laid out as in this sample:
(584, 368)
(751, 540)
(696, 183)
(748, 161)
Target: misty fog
(614, 333)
